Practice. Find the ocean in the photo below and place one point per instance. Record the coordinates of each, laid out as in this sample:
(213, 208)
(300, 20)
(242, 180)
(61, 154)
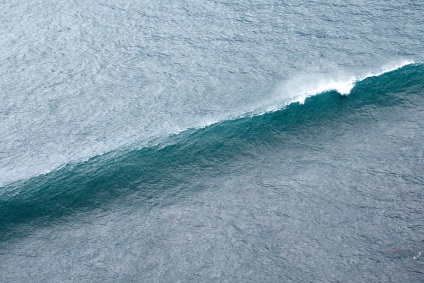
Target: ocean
(211, 141)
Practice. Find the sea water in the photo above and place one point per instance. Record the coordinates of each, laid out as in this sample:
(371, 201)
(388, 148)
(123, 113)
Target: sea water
(211, 141)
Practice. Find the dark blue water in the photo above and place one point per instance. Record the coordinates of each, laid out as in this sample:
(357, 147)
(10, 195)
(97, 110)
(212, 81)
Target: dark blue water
(224, 142)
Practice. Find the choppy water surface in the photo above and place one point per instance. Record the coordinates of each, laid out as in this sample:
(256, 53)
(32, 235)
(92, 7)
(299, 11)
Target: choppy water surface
(211, 141)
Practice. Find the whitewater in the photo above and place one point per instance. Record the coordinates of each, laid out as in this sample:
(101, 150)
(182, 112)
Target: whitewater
(227, 141)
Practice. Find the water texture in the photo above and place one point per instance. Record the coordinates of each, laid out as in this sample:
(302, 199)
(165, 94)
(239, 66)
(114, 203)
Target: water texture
(213, 141)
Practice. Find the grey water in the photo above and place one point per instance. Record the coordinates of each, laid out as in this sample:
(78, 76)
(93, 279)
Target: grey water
(211, 141)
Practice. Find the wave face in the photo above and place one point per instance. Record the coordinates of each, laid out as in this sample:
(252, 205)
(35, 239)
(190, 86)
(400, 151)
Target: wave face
(333, 171)
(82, 79)
(211, 141)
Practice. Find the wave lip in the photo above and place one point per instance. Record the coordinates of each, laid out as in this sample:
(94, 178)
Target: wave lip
(296, 90)
(302, 87)
(196, 152)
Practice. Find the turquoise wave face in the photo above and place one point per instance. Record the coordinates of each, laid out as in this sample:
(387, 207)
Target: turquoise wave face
(336, 177)
(209, 151)
(324, 190)
(83, 79)
(211, 141)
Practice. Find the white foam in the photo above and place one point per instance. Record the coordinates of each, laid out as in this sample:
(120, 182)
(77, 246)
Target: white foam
(301, 87)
